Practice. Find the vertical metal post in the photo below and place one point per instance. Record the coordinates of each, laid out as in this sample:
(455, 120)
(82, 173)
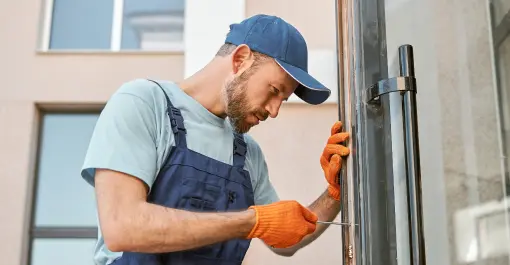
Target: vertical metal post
(411, 145)
(350, 87)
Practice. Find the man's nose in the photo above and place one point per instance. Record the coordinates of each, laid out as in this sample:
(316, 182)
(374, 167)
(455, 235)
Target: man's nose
(273, 108)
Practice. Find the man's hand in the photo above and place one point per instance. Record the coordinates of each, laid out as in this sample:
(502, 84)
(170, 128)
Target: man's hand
(331, 159)
(282, 224)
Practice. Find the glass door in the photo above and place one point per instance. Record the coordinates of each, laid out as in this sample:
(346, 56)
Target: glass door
(461, 52)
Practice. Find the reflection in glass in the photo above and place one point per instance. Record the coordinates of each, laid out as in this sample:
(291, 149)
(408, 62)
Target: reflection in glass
(62, 197)
(63, 251)
(501, 35)
(494, 233)
(153, 25)
(481, 232)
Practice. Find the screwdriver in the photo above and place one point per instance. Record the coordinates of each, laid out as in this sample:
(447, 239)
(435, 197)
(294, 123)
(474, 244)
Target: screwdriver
(333, 223)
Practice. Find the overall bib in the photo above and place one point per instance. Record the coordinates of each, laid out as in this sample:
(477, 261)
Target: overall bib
(194, 182)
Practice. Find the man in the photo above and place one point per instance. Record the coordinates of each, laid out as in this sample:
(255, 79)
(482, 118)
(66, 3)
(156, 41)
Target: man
(177, 180)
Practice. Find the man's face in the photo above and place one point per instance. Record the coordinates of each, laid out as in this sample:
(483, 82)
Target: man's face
(257, 94)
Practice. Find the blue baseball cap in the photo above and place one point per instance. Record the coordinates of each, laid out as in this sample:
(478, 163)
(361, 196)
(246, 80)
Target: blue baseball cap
(274, 37)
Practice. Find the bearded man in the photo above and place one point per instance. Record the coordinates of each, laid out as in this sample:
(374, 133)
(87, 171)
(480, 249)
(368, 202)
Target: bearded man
(177, 179)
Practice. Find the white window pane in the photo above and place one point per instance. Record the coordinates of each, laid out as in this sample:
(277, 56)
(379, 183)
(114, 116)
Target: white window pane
(63, 251)
(78, 24)
(153, 25)
(63, 197)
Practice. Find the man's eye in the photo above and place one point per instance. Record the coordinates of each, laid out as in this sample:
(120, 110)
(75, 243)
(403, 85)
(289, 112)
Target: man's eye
(275, 90)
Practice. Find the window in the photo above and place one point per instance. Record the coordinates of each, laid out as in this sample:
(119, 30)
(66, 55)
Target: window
(64, 216)
(114, 25)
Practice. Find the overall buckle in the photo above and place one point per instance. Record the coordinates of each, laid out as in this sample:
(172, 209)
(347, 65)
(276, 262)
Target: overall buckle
(240, 147)
(176, 120)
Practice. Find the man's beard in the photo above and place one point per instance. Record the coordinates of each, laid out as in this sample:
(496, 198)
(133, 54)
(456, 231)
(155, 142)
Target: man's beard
(237, 104)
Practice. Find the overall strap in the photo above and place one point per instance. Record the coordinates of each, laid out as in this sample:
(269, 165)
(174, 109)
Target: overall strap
(240, 150)
(176, 120)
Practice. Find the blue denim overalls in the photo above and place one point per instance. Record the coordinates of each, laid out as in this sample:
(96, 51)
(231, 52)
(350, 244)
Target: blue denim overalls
(189, 180)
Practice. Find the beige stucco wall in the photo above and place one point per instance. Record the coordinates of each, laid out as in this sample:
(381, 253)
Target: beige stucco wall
(64, 80)
(293, 144)
(294, 141)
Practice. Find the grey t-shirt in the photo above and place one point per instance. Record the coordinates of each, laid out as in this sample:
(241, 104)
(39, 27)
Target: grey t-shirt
(133, 135)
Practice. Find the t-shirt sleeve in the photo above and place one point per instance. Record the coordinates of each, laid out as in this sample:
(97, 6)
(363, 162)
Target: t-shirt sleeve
(124, 138)
(264, 191)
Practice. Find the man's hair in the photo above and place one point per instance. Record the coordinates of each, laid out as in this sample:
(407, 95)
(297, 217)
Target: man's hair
(227, 48)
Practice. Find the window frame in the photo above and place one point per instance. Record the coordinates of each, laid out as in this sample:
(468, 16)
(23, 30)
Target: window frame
(116, 32)
(34, 232)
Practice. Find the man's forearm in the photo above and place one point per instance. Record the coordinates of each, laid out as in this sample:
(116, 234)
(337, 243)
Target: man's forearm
(151, 228)
(326, 208)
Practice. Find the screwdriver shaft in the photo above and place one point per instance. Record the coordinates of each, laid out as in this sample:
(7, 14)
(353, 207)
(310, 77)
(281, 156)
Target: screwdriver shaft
(333, 223)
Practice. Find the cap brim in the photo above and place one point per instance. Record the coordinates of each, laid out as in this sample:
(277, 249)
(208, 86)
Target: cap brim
(309, 89)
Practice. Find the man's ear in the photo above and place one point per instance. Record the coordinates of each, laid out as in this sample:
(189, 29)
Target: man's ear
(242, 59)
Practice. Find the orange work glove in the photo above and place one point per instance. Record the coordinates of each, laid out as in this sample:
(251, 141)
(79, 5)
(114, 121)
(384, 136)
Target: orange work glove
(331, 159)
(282, 224)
